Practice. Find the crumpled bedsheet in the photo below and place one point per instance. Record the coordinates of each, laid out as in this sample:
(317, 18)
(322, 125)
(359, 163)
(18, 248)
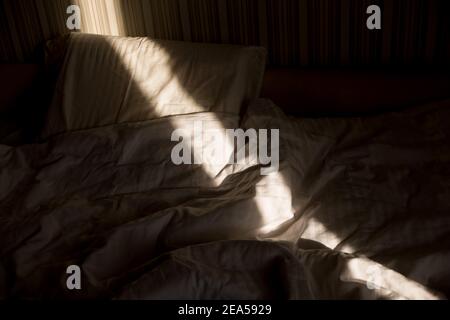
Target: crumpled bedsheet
(355, 212)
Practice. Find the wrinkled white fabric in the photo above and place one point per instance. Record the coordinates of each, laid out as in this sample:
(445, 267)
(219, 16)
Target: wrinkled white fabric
(106, 80)
(347, 216)
(377, 187)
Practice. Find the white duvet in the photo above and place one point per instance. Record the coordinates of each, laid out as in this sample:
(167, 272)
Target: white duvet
(359, 209)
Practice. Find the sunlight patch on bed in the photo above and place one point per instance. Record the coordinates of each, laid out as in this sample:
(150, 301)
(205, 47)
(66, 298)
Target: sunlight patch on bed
(274, 201)
(385, 282)
(315, 230)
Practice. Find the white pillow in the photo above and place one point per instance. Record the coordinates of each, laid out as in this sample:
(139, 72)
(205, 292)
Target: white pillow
(106, 80)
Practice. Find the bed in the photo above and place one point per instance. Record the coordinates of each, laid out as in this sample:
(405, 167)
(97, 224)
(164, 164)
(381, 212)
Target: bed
(357, 210)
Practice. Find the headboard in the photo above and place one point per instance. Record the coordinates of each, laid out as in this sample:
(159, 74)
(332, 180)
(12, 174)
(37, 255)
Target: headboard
(24, 96)
(15, 80)
(310, 92)
(336, 92)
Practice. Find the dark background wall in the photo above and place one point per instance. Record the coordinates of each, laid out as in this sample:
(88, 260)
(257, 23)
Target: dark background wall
(295, 32)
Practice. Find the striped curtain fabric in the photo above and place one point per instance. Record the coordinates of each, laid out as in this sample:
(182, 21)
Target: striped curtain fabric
(295, 32)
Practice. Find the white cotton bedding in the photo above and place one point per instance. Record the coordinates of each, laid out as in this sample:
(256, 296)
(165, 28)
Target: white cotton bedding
(107, 80)
(358, 210)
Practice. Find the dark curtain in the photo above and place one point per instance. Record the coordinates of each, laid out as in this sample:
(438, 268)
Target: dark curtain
(295, 32)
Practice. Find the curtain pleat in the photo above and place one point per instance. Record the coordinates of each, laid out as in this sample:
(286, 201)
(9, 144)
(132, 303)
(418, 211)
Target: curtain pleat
(295, 32)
